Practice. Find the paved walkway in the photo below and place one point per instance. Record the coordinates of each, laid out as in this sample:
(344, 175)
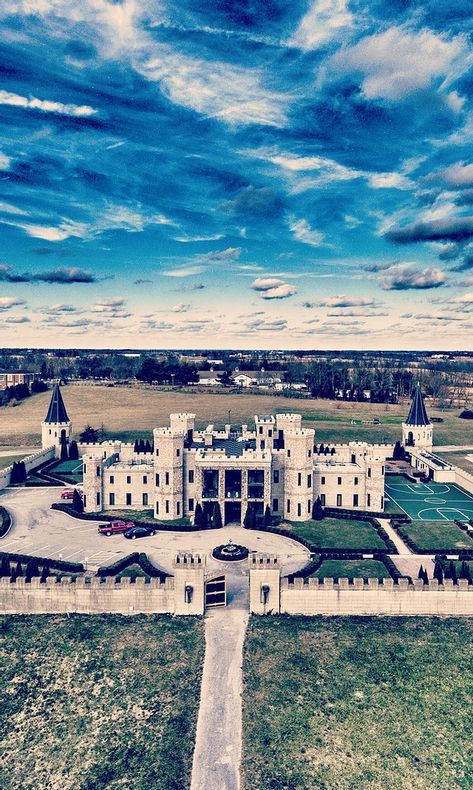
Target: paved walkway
(217, 755)
(406, 561)
(446, 448)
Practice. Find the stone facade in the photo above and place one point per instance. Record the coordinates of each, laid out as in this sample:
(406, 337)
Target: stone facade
(272, 466)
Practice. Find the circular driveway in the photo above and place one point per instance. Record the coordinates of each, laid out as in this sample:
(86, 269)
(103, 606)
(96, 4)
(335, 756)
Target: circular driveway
(43, 532)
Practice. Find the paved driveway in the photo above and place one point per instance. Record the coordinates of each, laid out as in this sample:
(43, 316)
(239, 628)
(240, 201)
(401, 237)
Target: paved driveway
(43, 532)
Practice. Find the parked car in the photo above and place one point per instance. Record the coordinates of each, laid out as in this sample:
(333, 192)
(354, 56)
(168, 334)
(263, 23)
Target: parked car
(115, 527)
(138, 532)
(68, 493)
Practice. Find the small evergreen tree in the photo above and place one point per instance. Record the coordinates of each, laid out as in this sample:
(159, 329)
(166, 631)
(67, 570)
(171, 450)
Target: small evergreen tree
(399, 454)
(13, 576)
(14, 473)
(198, 516)
(89, 435)
(77, 503)
(148, 448)
(425, 576)
(45, 572)
(205, 518)
(464, 571)
(73, 451)
(420, 575)
(217, 517)
(317, 509)
(5, 567)
(136, 446)
(452, 572)
(22, 472)
(31, 569)
(321, 449)
(438, 572)
(250, 519)
(332, 451)
(64, 455)
(18, 569)
(267, 517)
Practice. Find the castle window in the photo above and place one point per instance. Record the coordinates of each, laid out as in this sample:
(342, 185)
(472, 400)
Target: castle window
(299, 509)
(339, 481)
(368, 500)
(98, 471)
(275, 504)
(288, 508)
(339, 500)
(84, 469)
(288, 453)
(322, 481)
(157, 508)
(157, 481)
(178, 452)
(308, 506)
(111, 499)
(190, 505)
(97, 498)
(191, 475)
(111, 480)
(382, 470)
(128, 499)
(270, 433)
(355, 500)
(353, 458)
(382, 503)
(128, 479)
(178, 508)
(167, 478)
(145, 499)
(299, 479)
(309, 453)
(322, 500)
(145, 479)
(355, 481)
(157, 450)
(369, 471)
(167, 505)
(276, 476)
(309, 481)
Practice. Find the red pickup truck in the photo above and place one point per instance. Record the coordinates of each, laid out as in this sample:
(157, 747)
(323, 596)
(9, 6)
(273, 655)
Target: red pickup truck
(115, 527)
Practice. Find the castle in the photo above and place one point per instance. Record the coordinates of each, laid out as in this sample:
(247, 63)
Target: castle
(274, 465)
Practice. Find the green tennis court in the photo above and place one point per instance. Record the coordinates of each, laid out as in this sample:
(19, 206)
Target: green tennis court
(69, 467)
(429, 501)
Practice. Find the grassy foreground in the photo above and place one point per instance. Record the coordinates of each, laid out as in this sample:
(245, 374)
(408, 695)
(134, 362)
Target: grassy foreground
(92, 702)
(438, 535)
(357, 702)
(352, 569)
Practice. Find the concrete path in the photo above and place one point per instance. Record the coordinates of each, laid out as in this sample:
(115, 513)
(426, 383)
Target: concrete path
(402, 548)
(446, 448)
(217, 755)
(406, 561)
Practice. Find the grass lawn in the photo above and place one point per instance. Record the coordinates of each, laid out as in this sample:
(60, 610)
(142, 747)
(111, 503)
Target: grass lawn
(150, 408)
(8, 460)
(437, 535)
(92, 702)
(352, 569)
(337, 533)
(345, 702)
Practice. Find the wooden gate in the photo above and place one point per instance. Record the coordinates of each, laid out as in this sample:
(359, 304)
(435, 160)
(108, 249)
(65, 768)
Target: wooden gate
(216, 591)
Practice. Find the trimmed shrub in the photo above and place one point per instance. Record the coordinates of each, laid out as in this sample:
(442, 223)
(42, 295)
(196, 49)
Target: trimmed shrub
(217, 517)
(136, 558)
(77, 503)
(199, 517)
(60, 565)
(317, 509)
(64, 456)
(73, 451)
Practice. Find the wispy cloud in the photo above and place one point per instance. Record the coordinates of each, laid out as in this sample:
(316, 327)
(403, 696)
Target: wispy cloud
(45, 105)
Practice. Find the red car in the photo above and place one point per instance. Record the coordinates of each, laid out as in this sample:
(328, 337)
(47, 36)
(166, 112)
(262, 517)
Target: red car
(115, 527)
(68, 493)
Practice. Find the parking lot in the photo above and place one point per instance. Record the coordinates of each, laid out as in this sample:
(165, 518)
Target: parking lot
(43, 532)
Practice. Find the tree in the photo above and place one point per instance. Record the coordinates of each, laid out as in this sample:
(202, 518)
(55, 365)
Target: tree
(249, 522)
(226, 378)
(399, 454)
(64, 455)
(148, 448)
(136, 446)
(5, 567)
(45, 572)
(198, 516)
(18, 473)
(38, 386)
(18, 569)
(438, 572)
(73, 451)
(31, 569)
(464, 571)
(77, 503)
(420, 575)
(217, 517)
(89, 435)
(317, 509)
(267, 516)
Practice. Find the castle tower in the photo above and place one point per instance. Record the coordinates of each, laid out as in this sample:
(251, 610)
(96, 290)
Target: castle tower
(57, 426)
(265, 428)
(298, 473)
(417, 430)
(169, 473)
(265, 581)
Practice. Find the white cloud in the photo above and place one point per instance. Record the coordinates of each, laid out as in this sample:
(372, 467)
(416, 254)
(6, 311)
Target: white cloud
(184, 271)
(304, 233)
(4, 161)
(191, 239)
(8, 208)
(463, 299)
(347, 301)
(406, 278)
(273, 288)
(7, 302)
(324, 21)
(14, 100)
(458, 175)
(399, 61)
(180, 308)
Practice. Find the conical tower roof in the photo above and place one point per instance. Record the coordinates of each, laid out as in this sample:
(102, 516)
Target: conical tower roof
(417, 412)
(57, 411)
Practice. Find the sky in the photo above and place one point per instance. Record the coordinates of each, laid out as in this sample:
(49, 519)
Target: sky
(236, 174)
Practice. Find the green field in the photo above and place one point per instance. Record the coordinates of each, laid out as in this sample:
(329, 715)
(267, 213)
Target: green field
(345, 702)
(8, 460)
(92, 702)
(69, 471)
(352, 569)
(337, 533)
(438, 535)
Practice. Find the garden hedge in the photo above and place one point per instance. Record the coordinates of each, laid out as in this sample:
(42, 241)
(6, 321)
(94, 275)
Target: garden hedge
(156, 525)
(317, 561)
(59, 565)
(5, 521)
(135, 558)
(463, 554)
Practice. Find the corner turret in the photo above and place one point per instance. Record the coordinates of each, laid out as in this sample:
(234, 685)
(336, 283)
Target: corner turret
(417, 429)
(56, 427)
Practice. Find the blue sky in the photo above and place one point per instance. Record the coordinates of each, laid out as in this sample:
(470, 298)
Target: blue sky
(236, 174)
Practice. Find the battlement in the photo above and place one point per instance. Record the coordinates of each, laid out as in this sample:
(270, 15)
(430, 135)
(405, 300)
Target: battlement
(184, 559)
(263, 561)
(54, 583)
(172, 433)
(299, 433)
(369, 585)
(184, 415)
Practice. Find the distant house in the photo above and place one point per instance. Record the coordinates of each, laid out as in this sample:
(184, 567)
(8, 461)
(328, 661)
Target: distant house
(287, 385)
(207, 378)
(242, 380)
(11, 379)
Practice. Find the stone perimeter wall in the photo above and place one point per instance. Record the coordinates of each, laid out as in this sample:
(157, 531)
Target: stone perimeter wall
(31, 462)
(269, 594)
